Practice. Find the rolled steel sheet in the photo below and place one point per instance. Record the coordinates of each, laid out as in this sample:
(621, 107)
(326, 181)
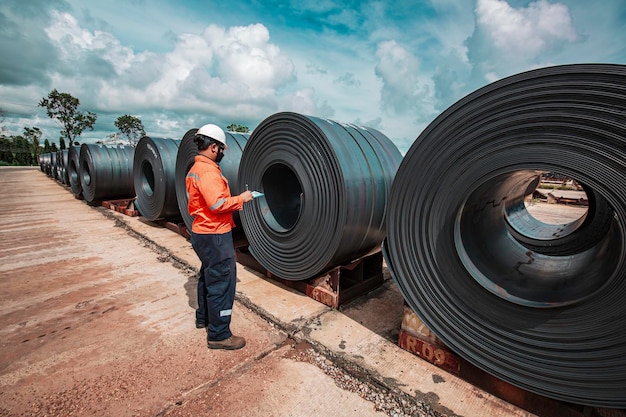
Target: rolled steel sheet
(229, 165)
(154, 169)
(62, 174)
(538, 305)
(326, 186)
(53, 164)
(73, 172)
(45, 161)
(106, 172)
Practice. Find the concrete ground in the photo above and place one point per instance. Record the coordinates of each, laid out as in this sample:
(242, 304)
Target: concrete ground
(97, 319)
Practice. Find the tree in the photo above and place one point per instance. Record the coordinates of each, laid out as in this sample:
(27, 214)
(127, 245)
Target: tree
(33, 134)
(132, 127)
(237, 128)
(6, 156)
(64, 108)
(22, 151)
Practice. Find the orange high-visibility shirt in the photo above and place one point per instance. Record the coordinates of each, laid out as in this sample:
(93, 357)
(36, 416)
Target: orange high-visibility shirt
(210, 202)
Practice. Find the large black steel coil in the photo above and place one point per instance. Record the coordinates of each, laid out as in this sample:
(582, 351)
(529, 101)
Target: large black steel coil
(106, 172)
(63, 160)
(326, 186)
(539, 305)
(53, 165)
(45, 162)
(154, 169)
(229, 165)
(73, 173)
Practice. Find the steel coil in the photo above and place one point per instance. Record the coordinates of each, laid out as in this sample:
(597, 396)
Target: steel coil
(106, 172)
(154, 168)
(326, 186)
(538, 305)
(229, 165)
(53, 165)
(45, 162)
(73, 165)
(63, 159)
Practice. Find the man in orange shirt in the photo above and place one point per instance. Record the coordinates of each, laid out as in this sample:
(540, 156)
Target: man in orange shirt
(212, 206)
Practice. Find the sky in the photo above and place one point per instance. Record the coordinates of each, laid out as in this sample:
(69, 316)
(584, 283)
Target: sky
(389, 65)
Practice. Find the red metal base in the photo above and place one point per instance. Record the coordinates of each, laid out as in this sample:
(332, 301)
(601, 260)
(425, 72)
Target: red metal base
(416, 338)
(125, 206)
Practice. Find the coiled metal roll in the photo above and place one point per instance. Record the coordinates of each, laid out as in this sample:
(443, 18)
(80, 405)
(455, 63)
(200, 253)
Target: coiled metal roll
(53, 165)
(538, 305)
(62, 174)
(154, 169)
(106, 172)
(326, 186)
(229, 165)
(45, 163)
(73, 165)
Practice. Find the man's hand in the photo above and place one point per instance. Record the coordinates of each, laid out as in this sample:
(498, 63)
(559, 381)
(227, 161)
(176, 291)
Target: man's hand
(247, 196)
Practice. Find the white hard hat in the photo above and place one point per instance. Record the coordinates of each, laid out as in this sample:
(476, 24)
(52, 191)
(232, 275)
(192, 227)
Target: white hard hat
(212, 131)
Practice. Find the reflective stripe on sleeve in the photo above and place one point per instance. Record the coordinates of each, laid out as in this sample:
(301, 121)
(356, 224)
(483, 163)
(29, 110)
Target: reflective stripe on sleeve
(224, 313)
(219, 203)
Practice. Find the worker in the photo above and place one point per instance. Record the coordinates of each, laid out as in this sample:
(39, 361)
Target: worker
(211, 206)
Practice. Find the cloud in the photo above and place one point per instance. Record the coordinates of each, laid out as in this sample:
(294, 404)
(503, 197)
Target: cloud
(526, 31)
(304, 101)
(24, 57)
(227, 71)
(349, 80)
(507, 40)
(403, 90)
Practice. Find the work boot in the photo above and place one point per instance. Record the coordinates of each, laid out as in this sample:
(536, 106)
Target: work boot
(232, 343)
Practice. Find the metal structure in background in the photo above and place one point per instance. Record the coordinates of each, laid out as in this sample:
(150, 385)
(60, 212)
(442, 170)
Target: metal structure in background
(326, 186)
(73, 171)
(154, 169)
(538, 305)
(229, 165)
(106, 172)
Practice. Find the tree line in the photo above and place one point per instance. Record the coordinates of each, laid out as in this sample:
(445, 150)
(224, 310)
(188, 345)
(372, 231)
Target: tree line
(25, 149)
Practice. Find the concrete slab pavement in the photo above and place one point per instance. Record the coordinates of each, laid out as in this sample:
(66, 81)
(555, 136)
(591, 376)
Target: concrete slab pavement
(96, 318)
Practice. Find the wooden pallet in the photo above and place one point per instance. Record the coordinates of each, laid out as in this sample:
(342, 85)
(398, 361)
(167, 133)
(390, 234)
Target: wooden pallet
(335, 287)
(125, 206)
(416, 338)
(178, 227)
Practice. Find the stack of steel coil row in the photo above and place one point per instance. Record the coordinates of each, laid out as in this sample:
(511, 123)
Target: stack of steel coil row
(538, 305)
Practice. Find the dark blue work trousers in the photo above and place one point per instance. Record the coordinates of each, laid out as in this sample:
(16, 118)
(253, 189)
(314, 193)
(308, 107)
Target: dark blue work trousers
(216, 284)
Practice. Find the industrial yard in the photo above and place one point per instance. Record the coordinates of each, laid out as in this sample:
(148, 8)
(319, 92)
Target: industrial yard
(97, 319)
